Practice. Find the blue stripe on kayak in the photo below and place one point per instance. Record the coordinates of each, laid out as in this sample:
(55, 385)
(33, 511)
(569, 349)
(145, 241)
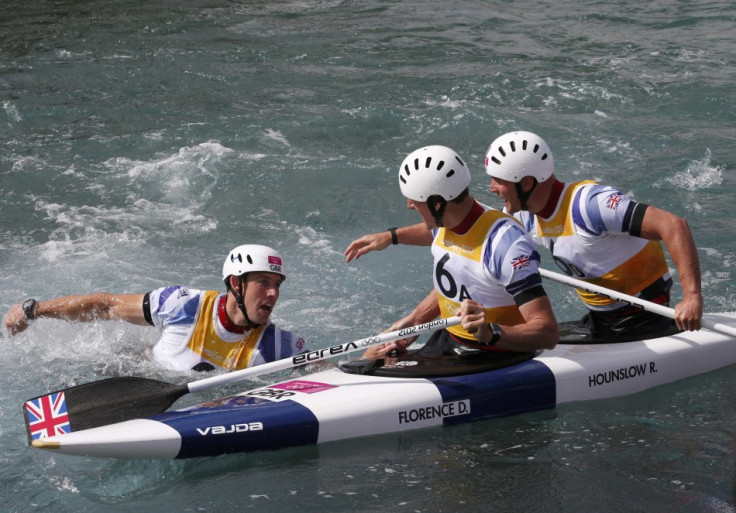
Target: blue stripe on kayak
(516, 389)
(235, 426)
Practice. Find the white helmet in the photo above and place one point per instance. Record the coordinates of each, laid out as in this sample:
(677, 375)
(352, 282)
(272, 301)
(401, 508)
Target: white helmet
(433, 170)
(518, 154)
(252, 257)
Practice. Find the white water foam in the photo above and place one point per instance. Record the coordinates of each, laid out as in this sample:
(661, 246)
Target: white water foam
(700, 174)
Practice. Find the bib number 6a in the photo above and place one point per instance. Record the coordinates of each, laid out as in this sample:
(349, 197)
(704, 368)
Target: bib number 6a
(446, 282)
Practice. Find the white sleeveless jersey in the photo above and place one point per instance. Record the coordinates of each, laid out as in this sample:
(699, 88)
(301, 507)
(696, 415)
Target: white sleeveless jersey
(192, 334)
(588, 235)
(491, 263)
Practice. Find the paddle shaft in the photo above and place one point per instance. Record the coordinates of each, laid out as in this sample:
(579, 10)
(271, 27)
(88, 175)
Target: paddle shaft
(321, 354)
(646, 305)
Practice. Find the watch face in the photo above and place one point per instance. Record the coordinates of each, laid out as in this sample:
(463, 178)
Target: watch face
(28, 306)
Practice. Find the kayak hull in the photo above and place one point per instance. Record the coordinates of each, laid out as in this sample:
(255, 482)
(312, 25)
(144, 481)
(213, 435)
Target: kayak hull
(334, 405)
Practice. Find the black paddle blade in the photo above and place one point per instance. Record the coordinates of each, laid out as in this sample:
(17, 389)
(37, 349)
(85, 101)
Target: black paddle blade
(97, 404)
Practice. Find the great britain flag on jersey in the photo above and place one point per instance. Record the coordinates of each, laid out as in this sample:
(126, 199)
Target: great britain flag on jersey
(520, 262)
(613, 200)
(47, 416)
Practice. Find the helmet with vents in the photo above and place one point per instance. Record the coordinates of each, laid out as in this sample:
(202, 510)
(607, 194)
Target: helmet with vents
(515, 155)
(249, 258)
(433, 171)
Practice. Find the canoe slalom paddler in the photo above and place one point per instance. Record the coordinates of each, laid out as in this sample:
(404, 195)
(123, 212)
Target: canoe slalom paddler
(485, 266)
(599, 235)
(199, 329)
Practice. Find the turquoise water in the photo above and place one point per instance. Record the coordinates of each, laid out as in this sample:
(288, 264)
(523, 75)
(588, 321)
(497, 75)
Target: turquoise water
(143, 140)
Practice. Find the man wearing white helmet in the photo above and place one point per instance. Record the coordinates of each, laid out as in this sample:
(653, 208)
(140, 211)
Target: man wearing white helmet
(597, 234)
(485, 267)
(200, 329)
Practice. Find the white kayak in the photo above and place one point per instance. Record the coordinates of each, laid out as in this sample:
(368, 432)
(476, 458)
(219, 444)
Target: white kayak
(336, 405)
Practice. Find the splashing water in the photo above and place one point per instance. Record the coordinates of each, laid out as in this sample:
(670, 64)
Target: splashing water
(700, 174)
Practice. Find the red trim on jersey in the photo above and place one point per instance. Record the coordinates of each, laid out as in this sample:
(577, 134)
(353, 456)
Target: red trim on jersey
(225, 320)
(554, 197)
(475, 212)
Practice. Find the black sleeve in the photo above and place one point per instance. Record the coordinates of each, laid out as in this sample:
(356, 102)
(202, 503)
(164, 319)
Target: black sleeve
(527, 289)
(634, 218)
(529, 294)
(147, 308)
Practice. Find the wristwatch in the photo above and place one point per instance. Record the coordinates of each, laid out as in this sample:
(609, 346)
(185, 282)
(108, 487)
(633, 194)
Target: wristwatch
(394, 237)
(496, 331)
(29, 305)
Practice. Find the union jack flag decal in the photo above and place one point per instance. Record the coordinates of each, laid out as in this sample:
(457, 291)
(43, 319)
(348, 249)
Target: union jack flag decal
(520, 262)
(613, 200)
(47, 416)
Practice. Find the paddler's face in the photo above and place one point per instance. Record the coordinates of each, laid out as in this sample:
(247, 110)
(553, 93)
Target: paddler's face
(507, 192)
(261, 294)
(421, 208)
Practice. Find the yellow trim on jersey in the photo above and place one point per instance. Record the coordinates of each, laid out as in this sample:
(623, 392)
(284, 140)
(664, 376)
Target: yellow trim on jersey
(205, 342)
(560, 224)
(631, 277)
(470, 243)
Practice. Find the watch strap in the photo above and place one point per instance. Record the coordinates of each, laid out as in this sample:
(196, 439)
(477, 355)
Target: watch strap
(29, 305)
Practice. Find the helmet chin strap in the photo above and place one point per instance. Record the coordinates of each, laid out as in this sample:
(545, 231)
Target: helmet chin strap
(239, 300)
(524, 196)
(437, 213)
